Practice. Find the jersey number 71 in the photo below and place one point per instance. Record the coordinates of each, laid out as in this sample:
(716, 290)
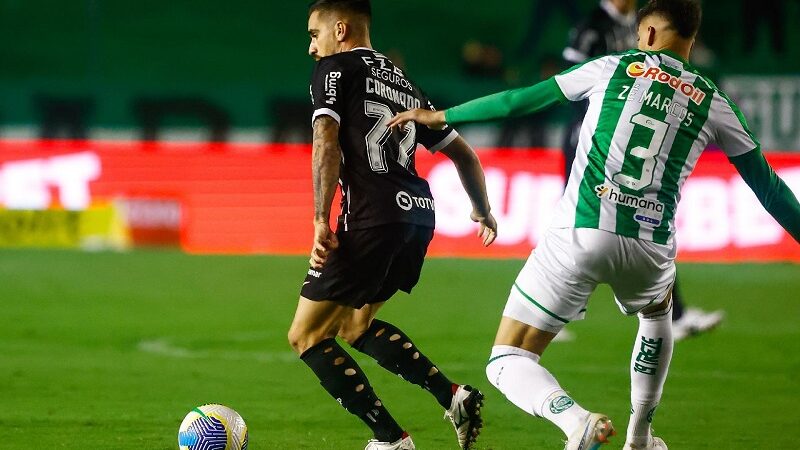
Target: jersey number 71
(377, 136)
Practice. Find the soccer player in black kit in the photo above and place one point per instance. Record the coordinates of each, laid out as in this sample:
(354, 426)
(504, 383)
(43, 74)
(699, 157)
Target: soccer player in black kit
(383, 232)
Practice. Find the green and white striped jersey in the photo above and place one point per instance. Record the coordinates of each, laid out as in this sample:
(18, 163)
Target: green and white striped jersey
(650, 116)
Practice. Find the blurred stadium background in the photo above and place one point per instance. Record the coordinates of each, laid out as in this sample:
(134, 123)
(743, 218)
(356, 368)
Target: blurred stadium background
(171, 140)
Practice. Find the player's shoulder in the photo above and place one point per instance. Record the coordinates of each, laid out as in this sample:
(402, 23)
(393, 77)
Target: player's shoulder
(626, 57)
(615, 58)
(348, 58)
(346, 62)
(702, 78)
(628, 54)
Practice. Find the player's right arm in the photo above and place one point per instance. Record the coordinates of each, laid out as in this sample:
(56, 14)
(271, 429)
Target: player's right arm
(744, 152)
(328, 85)
(325, 159)
(472, 178)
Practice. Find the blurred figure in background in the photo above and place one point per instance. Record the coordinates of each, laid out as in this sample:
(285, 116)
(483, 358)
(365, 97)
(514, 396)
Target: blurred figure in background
(611, 28)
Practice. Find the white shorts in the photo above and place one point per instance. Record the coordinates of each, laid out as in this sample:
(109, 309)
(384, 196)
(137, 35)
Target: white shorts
(554, 286)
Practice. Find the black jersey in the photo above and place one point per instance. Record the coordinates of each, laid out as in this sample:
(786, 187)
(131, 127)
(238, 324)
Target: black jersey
(604, 31)
(362, 90)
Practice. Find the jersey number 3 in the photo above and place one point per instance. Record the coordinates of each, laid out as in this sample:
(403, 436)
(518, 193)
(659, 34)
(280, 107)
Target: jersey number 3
(648, 154)
(377, 136)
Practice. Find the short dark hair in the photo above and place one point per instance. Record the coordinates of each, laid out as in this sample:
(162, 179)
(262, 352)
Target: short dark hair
(357, 7)
(683, 15)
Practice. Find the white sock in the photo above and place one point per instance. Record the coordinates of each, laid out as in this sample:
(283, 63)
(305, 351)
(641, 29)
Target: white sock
(652, 352)
(529, 386)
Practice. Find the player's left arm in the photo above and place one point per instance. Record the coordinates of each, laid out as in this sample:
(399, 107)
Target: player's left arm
(472, 178)
(744, 152)
(511, 103)
(325, 159)
(773, 193)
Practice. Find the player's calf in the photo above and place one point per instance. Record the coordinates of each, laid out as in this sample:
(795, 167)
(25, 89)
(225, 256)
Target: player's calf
(344, 380)
(395, 352)
(516, 373)
(650, 360)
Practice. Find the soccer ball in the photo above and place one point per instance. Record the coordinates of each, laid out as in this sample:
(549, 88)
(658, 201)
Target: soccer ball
(212, 427)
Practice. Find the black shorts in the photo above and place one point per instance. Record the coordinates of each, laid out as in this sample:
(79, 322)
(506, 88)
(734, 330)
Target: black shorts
(370, 265)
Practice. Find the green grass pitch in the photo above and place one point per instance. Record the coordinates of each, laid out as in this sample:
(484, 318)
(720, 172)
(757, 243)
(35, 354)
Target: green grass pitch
(110, 351)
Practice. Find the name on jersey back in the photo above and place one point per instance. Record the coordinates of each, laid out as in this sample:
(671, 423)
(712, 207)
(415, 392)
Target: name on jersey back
(377, 84)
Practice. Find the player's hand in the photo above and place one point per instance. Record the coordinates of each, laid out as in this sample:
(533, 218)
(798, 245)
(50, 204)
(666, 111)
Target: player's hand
(325, 241)
(433, 119)
(488, 229)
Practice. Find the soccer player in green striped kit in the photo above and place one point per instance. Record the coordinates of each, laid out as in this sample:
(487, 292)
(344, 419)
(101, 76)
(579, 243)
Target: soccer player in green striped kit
(651, 115)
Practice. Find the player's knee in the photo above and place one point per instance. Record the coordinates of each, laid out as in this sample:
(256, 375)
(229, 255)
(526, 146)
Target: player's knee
(295, 338)
(351, 332)
(661, 310)
(301, 339)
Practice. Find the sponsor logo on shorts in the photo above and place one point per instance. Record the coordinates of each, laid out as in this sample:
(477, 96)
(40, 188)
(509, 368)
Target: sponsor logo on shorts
(637, 70)
(406, 202)
(561, 404)
(648, 210)
(314, 273)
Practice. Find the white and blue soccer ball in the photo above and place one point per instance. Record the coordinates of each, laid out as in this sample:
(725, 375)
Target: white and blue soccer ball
(212, 427)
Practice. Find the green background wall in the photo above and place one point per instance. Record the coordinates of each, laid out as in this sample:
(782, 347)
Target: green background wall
(241, 54)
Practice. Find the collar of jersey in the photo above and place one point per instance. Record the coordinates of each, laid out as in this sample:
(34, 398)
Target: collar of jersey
(674, 55)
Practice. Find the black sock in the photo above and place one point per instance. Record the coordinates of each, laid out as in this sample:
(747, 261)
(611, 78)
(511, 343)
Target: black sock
(340, 375)
(395, 352)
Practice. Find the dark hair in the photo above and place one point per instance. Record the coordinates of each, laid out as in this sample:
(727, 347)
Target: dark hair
(357, 7)
(683, 15)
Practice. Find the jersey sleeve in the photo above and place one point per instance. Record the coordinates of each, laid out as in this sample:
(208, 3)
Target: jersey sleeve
(773, 193)
(578, 82)
(328, 89)
(730, 130)
(435, 140)
(511, 103)
(584, 43)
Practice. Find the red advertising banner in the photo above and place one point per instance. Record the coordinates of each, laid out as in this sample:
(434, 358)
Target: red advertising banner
(256, 198)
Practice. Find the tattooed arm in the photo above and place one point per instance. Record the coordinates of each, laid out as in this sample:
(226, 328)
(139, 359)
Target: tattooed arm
(326, 157)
